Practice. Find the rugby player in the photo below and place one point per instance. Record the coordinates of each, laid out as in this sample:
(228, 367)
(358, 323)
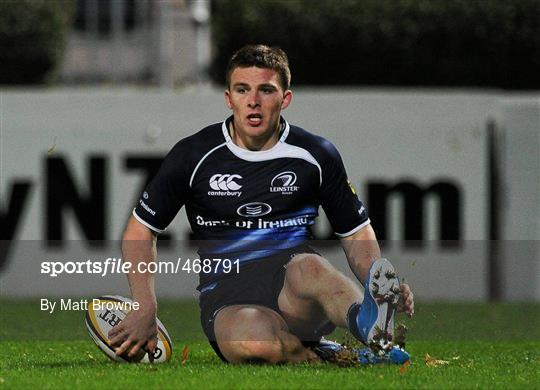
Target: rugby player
(252, 186)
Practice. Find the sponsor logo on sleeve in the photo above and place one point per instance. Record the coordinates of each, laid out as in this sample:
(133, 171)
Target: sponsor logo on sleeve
(224, 184)
(284, 183)
(146, 207)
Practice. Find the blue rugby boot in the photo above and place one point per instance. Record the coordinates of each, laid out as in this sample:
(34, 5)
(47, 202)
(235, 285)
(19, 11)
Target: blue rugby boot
(396, 355)
(327, 350)
(332, 352)
(372, 321)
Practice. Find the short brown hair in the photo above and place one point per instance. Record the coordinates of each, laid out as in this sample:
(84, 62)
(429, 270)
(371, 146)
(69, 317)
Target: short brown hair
(261, 56)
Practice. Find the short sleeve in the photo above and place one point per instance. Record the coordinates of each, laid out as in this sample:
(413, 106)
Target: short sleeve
(166, 193)
(339, 200)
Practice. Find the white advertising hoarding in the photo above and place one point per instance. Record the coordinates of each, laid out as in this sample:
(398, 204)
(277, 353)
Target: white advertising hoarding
(74, 161)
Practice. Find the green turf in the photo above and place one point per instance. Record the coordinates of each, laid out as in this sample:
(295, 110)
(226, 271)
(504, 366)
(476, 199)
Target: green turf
(486, 346)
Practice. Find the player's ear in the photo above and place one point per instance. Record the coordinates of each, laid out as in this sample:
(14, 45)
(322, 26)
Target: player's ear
(287, 97)
(228, 98)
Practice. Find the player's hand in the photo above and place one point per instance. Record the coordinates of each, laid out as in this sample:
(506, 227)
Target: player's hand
(137, 330)
(406, 300)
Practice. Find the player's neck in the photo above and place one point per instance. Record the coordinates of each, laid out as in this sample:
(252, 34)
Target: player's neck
(263, 142)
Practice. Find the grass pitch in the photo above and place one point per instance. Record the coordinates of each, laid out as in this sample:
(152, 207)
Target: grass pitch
(482, 346)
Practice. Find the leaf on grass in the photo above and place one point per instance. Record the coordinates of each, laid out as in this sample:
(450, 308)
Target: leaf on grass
(91, 357)
(185, 353)
(404, 367)
(2, 380)
(432, 362)
(456, 358)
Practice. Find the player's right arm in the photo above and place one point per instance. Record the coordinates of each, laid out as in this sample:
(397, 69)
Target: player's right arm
(157, 206)
(138, 329)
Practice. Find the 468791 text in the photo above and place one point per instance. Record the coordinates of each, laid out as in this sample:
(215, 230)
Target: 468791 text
(209, 266)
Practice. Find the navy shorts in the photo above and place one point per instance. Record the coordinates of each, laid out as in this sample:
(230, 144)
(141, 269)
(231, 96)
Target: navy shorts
(258, 283)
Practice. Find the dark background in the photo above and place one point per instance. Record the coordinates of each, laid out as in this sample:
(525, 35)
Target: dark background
(484, 43)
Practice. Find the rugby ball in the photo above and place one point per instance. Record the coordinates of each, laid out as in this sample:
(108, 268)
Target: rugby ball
(105, 312)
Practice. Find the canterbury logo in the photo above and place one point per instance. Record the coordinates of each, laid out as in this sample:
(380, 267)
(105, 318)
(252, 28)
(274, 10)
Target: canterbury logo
(224, 182)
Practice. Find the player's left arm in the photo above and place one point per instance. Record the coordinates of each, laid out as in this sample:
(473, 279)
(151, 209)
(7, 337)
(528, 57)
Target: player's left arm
(362, 249)
(346, 212)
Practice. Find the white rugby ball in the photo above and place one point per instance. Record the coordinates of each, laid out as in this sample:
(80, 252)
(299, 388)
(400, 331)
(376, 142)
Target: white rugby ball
(109, 310)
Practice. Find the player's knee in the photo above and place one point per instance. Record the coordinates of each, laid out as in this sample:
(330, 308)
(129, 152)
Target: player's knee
(304, 273)
(260, 351)
(312, 266)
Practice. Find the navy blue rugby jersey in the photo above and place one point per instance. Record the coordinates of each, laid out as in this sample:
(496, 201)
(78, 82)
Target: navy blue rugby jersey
(248, 205)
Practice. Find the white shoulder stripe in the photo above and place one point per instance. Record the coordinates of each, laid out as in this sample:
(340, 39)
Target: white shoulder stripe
(293, 151)
(201, 161)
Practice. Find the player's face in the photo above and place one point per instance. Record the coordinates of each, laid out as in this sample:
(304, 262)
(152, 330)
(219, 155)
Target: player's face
(256, 99)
